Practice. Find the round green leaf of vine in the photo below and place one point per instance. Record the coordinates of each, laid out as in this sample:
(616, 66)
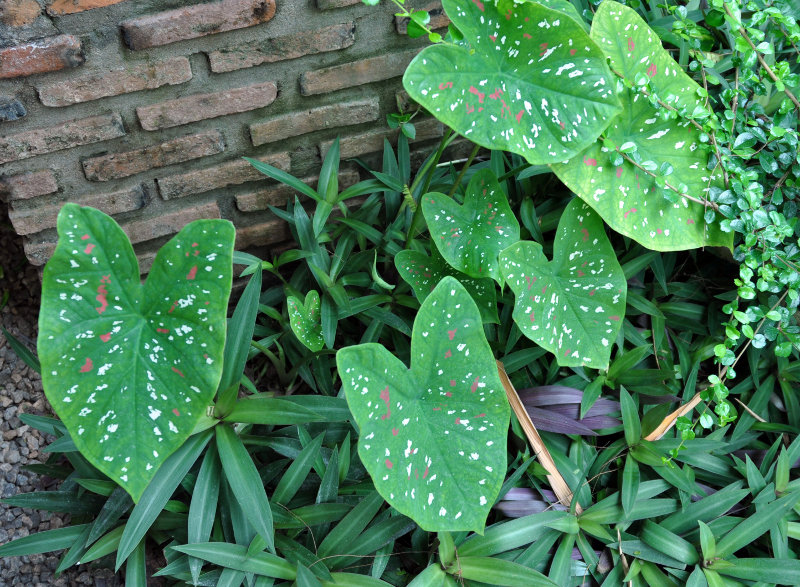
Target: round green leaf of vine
(131, 368)
(433, 437)
(533, 81)
(574, 305)
(626, 194)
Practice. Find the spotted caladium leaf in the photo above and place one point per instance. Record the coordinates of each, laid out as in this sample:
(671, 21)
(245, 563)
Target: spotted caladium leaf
(574, 305)
(305, 320)
(533, 81)
(423, 273)
(469, 237)
(625, 195)
(433, 437)
(131, 368)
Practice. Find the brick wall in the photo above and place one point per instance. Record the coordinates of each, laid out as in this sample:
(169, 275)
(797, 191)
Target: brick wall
(144, 108)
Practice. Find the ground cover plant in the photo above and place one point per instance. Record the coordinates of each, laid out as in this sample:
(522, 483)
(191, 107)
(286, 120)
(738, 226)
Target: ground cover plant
(570, 359)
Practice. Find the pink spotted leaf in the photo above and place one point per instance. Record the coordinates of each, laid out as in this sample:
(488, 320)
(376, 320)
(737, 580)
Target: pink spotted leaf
(624, 194)
(574, 305)
(433, 437)
(531, 82)
(470, 236)
(131, 368)
(423, 273)
(305, 320)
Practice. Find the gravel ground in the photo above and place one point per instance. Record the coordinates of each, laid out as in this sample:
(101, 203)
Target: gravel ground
(21, 393)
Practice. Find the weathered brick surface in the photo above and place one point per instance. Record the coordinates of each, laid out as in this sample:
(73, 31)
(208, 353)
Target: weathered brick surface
(226, 174)
(299, 123)
(202, 106)
(42, 56)
(37, 218)
(356, 73)
(38, 253)
(170, 223)
(195, 21)
(263, 233)
(117, 165)
(332, 38)
(370, 142)
(328, 4)
(101, 84)
(66, 135)
(438, 18)
(278, 195)
(19, 13)
(11, 109)
(28, 185)
(59, 7)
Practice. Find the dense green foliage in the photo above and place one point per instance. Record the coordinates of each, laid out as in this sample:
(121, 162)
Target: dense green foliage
(346, 387)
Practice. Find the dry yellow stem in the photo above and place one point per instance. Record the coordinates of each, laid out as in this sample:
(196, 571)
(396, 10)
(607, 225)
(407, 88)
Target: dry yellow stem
(557, 483)
(670, 420)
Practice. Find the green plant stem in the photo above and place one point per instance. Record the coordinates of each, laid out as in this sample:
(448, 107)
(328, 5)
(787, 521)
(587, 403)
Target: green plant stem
(428, 174)
(763, 63)
(714, 135)
(457, 182)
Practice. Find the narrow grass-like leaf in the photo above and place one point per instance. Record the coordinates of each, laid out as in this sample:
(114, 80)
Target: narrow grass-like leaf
(297, 472)
(56, 501)
(104, 546)
(283, 177)
(28, 357)
(240, 327)
(353, 580)
(432, 576)
(203, 506)
(765, 570)
(245, 482)
(755, 525)
(630, 418)
(136, 567)
(562, 561)
(118, 503)
(157, 493)
(374, 538)
(329, 486)
(230, 578)
(305, 578)
(296, 553)
(630, 484)
(668, 543)
(74, 554)
(706, 509)
(46, 541)
(497, 571)
(272, 411)
(236, 557)
(507, 536)
(708, 544)
(351, 525)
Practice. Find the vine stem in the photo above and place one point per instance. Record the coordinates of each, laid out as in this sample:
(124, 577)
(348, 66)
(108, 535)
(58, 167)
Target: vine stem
(713, 135)
(457, 182)
(702, 202)
(763, 63)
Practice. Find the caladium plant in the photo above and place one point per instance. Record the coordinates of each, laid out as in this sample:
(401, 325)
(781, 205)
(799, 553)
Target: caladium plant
(433, 437)
(131, 368)
(305, 320)
(621, 186)
(574, 305)
(531, 81)
(470, 237)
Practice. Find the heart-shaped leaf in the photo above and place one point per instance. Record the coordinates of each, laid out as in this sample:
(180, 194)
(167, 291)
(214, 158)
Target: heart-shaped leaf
(625, 195)
(433, 438)
(130, 368)
(305, 320)
(533, 81)
(469, 237)
(423, 273)
(574, 305)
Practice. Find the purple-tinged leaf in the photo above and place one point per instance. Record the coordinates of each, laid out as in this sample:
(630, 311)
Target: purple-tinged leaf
(470, 237)
(433, 437)
(531, 81)
(131, 368)
(574, 305)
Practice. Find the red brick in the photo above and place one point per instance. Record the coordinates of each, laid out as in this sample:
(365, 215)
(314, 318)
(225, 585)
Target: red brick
(234, 172)
(101, 84)
(356, 73)
(42, 56)
(370, 142)
(202, 106)
(195, 21)
(66, 135)
(117, 165)
(438, 18)
(19, 13)
(299, 123)
(328, 4)
(332, 38)
(36, 218)
(38, 253)
(170, 223)
(59, 7)
(278, 195)
(264, 233)
(28, 185)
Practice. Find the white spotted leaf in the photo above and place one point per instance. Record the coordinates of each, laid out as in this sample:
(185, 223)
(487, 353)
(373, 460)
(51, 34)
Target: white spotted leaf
(131, 368)
(470, 236)
(423, 273)
(305, 320)
(574, 305)
(625, 195)
(433, 437)
(532, 81)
